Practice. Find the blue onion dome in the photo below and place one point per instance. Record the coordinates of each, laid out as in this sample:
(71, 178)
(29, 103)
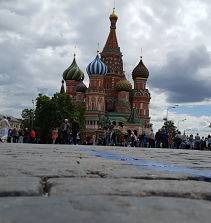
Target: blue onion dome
(73, 72)
(81, 87)
(140, 71)
(123, 85)
(96, 67)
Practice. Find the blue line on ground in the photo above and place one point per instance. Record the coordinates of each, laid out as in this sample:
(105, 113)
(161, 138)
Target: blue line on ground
(147, 164)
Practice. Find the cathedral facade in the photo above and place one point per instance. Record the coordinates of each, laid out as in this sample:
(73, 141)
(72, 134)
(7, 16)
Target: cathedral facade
(110, 95)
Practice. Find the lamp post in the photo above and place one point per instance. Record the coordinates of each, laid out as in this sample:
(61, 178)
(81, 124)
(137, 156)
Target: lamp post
(167, 111)
(180, 121)
(33, 114)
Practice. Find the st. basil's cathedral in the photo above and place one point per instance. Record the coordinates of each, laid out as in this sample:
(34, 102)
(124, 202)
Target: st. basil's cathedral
(110, 95)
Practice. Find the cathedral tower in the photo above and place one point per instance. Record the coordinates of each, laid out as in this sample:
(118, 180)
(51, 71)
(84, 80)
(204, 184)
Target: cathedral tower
(140, 95)
(112, 57)
(72, 76)
(95, 95)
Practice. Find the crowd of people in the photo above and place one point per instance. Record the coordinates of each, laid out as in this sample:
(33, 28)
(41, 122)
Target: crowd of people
(114, 135)
(68, 133)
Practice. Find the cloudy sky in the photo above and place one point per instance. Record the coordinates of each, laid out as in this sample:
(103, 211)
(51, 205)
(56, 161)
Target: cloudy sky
(37, 39)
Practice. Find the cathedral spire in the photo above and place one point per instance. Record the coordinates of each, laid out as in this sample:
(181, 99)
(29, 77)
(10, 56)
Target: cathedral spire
(112, 43)
(111, 54)
(62, 90)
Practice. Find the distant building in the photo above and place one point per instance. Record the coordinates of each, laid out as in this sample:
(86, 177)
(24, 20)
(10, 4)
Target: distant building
(14, 122)
(110, 95)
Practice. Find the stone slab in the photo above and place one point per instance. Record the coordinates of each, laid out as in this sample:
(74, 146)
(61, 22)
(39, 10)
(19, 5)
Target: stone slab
(89, 188)
(20, 186)
(69, 161)
(130, 187)
(105, 209)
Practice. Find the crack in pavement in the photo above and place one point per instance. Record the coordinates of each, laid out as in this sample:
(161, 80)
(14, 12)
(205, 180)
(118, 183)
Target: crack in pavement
(46, 186)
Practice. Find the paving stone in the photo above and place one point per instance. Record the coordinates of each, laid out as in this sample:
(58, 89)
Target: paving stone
(68, 161)
(20, 186)
(86, 187)
(57, 160)
(105, 209)
(130, 187)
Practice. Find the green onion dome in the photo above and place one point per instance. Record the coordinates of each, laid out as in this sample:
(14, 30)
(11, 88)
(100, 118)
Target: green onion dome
(140, 71)
(73, 72)
(81, 87)
(123, 85)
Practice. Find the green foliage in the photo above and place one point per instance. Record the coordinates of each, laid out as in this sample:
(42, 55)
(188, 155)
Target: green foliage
(170, 127)
(51, 112)
(27, 118)
(104, 122)
(44, 117)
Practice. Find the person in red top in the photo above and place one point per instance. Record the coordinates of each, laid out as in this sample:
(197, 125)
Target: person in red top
(33, 136)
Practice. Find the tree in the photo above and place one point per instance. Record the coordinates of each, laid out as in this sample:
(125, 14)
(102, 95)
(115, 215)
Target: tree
(51, 112)
(104, 122)
(44, 115)
(27, 118)
(170, 128)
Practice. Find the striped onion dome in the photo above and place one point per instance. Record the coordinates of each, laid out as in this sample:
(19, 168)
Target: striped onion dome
(140, 71)
(123, 85)
(96, 67)
(81, 87)
(73, 72)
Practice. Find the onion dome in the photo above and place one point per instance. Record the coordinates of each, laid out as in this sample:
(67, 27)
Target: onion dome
(81, 87)
(123, 85)
(73, 72)
(113, 15)
(140, 71)
(96, 67)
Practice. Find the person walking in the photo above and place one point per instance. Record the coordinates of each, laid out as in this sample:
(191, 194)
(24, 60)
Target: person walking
(151, 139)
(65, 132)
(14, 135)
(20, 136)
(158, 139)
(197, 142)
(75, 130)
(209, 142)
(54, 135)
(26, 136)
(178, 140)
(32, 136)
(5, 126)
(191, 141)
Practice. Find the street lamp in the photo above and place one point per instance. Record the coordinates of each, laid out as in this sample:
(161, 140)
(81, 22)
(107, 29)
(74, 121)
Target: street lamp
(33, 114)
(167, 111)
(180, 121)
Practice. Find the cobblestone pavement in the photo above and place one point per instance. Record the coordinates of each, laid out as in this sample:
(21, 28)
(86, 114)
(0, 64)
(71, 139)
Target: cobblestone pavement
(55, 183)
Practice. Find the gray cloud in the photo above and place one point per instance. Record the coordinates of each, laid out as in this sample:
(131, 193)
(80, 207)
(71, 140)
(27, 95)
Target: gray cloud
(181, 76)
(37, 39)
